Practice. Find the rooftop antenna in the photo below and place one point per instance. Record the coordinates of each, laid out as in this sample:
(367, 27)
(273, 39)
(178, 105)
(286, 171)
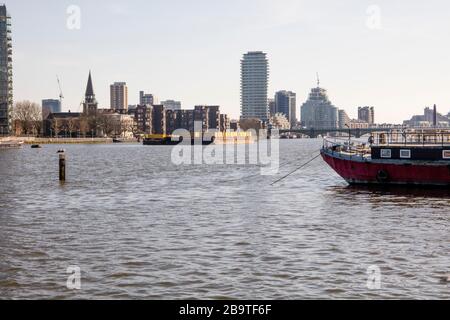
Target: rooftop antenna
(318, 80)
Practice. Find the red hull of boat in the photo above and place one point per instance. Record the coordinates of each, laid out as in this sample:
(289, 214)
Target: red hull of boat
(368, 172)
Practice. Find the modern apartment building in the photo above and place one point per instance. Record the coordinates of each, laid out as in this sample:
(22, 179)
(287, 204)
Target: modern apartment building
(143, 118)
(6, 77)
(119, 96)
(318, 112)
(159, 119)
(254, 86)
(344, 119)
(286, 103)
(145, 98)
(272, 107)
(50, 106)
(367, 114)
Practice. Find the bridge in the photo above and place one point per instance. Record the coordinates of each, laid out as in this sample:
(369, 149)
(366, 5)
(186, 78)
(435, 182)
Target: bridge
(314, 133)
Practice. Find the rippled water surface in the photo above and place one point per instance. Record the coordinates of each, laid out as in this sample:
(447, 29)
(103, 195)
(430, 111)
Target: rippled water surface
(140, 227)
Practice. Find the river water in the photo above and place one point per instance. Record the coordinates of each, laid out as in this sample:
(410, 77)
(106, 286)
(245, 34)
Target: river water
(140, 227)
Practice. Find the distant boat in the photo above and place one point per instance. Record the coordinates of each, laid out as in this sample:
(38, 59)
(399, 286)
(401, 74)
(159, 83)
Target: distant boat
(36, 146)
(412, 157)
(11, 144)
(169, 140)
(117, 141)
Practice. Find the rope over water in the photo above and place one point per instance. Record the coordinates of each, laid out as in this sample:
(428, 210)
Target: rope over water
(284, 164)
(299, 168)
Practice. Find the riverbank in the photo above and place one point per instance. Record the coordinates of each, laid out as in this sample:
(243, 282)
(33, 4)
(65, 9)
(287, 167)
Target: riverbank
(34, 140)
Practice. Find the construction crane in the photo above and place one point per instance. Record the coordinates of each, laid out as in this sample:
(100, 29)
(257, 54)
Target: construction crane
(61, 96)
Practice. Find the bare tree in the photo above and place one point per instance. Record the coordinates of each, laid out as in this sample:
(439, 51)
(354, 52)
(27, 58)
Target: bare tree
(27, 113)
(249, 124)
(106, 124)
(63, 126)
(118, 127)
(127, 126)
(55, 126)
(93, 124)
(37, 127)
(72, 125)
(84, 125)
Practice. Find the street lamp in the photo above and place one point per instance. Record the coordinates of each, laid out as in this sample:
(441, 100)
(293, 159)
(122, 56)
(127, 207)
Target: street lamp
(349, 135)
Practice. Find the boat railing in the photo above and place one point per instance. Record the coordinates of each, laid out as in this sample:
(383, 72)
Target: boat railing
(346, 147)
(411, 137)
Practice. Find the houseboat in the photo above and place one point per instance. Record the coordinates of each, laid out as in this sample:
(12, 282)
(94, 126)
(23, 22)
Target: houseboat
(402, 157)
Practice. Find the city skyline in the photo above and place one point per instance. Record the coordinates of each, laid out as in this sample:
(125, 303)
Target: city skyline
(205, 69)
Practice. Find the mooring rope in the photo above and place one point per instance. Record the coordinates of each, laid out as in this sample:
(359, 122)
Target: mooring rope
(284, 164)
(298, 169)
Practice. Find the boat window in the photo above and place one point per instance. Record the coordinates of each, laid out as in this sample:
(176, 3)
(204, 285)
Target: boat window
(405, 154)
(446, 154)
(386, 153)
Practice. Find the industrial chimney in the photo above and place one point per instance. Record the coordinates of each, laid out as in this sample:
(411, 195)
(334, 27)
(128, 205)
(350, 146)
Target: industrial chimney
(435, 116)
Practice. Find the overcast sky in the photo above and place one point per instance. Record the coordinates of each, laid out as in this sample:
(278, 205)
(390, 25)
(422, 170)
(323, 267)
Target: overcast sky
(392, 54)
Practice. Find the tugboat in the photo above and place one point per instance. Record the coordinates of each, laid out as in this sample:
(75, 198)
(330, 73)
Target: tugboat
(397, 157)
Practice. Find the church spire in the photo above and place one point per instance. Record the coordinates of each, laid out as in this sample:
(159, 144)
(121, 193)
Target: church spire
(90, 104)
(90, 87)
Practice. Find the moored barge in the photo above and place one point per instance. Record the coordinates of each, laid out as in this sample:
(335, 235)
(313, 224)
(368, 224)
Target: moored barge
(205, 139)
(172, 140)
(402, 157)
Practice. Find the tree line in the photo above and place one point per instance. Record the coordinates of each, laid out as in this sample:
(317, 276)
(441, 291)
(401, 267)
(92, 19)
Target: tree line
(28, 120)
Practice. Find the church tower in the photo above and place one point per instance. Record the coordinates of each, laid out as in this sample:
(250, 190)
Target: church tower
(90, 104)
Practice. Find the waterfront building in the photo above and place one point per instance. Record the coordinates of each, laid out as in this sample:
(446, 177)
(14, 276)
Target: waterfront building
(171, 105)
(50, 106)
(344, 119)
(65, 125)
(143, 118)
(122, 125)
(145, 98)
(254, 86)
(159, 119)
(225, 123)
(187, 120)
(272, 107)
(234, 125)
(173, 121)
(90, 105)
(131, 108)
(214, 118)
(318, 112)
(286, 103)
(359, 124)
(201, 114)
(6, 75)
(119, 96)
(209, 116)
(367, 114)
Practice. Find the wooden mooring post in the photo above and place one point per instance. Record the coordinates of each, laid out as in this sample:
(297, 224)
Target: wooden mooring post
(62, 165)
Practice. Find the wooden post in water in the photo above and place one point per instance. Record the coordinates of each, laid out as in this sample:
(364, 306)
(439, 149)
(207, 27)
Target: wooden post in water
(62, 166)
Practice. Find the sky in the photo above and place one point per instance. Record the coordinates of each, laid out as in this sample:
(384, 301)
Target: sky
(390, 54)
